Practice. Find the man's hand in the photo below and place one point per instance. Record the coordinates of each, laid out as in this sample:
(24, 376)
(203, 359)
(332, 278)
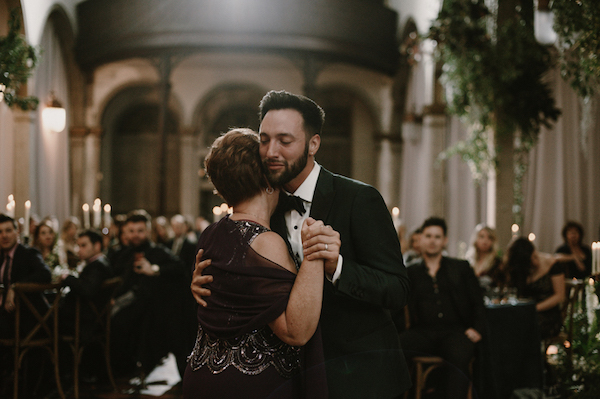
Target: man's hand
(473, 335)
(141, 265)
(198, 280)
(9, 304)
(321, 242)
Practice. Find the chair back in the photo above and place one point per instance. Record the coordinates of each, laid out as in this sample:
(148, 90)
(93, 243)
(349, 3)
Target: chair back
(35, 326)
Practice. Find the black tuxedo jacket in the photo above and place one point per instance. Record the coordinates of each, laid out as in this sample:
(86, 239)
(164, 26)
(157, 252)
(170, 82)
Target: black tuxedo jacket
(466, 294)
(361, 346)
(87, 286)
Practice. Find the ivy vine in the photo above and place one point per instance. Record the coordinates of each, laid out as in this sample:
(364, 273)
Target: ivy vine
(577, 24)
(17, 61)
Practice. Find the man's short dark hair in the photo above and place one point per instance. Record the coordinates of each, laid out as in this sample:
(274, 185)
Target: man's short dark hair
(311, 112)
(435, 221)
(94, 237)
(137, 216)
(5, 218)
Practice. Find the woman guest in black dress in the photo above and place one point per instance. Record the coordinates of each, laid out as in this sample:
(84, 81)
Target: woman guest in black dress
(541, 277)
(580, 266)
(256, 335)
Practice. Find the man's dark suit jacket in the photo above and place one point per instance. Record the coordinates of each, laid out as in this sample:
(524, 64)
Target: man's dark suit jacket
(466, 293)
(27, 266)
(87, 286)
(361, 345)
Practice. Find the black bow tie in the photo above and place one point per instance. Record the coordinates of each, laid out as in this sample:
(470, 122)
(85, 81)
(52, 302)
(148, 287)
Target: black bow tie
(289, 202)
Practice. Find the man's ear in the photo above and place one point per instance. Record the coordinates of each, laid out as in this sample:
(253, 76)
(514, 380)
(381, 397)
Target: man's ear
(314, 144)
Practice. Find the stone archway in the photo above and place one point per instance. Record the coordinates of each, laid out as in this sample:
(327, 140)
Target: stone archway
(129, 156)
(232, 105)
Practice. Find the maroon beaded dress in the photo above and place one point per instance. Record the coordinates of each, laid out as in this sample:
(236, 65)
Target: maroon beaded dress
(236, 354)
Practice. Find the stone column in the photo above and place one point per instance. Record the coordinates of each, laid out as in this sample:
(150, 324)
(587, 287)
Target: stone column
(22, 122)
(189, 181)
(77, 155)
(91, 173)
(434, 126)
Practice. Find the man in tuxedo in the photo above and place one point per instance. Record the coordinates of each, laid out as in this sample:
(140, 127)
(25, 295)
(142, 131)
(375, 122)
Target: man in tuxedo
(365, 273)
(446, 310)
(18, 263)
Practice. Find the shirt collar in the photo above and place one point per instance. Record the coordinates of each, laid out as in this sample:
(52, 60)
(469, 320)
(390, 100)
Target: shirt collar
(306, 191)
(11, 253)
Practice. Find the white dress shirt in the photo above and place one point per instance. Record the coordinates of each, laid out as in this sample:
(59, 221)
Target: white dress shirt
(294, 221)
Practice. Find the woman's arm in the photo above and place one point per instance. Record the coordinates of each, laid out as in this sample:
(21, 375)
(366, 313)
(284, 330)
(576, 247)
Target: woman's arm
(558, 286)
(297, 324)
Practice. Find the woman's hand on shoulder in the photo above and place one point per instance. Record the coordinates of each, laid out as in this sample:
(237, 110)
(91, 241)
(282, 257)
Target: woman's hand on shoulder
(271, 246)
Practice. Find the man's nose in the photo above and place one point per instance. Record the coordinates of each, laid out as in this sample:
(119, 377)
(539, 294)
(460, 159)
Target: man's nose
(272, 150)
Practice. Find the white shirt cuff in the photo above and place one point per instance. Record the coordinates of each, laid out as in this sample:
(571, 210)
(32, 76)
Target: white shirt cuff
(338, 270)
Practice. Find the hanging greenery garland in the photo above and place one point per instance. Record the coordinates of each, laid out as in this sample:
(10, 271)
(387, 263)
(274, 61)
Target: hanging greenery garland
(493, 77)
(17, 61)
(577, 23)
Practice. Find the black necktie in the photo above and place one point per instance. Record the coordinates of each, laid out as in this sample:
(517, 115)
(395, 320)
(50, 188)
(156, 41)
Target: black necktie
(289, 202)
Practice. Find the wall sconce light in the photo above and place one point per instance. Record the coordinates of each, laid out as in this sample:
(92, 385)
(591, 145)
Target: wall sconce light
(543, 23)
(2, 88)
(54, 116)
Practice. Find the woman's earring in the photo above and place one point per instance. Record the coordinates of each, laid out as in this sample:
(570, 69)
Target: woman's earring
(269, 190)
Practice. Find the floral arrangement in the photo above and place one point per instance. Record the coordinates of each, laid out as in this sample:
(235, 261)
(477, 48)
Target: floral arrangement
(581, 378)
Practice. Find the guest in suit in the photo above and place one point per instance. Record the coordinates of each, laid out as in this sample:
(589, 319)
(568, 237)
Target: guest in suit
(365, 274)
(19, 264)
(149, 308)
(87, 285)
(446, 309)
(183, 243)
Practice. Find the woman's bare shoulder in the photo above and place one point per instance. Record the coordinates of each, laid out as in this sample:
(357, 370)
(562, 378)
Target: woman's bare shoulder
(271, 246)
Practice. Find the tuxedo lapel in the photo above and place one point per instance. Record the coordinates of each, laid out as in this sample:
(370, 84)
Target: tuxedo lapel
(323, 197)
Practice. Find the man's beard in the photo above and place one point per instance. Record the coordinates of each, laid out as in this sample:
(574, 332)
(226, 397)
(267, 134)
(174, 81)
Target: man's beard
(289, 171)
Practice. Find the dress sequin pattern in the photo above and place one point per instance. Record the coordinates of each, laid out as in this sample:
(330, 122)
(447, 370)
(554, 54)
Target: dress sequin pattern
(251, 353)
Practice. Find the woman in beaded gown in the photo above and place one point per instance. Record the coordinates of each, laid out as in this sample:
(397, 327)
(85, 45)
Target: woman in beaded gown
(258, 334)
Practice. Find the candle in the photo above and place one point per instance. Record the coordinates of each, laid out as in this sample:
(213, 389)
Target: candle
(10, 207)
(97, 208)
(595, 258)
(217, 211)
(107, 218)
(27, 217)
(515, 230)
(86, 216)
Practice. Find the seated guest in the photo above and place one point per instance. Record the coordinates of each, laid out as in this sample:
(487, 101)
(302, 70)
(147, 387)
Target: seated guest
(541, 277)
(67, 243)
(18, 264)
(146, 323)
(44, 240)
(183, 245)
(414, 247)
(87, 285)
(446, 309)
(483, 257)
(580, 266)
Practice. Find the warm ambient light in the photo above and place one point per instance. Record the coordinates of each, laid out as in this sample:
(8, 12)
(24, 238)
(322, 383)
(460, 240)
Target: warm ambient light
(54, 115)
(543, 24)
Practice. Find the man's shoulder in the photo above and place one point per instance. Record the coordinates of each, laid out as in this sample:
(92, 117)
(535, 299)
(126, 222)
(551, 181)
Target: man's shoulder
(25, 251)
(456, 262)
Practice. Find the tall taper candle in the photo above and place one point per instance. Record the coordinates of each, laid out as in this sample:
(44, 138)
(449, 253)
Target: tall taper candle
(27, 217)
(97, 208)
(86, 216)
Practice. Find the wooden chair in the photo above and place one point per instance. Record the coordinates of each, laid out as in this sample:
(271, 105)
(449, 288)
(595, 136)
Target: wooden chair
(44, 333)
(100, 335)
(424, 365)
